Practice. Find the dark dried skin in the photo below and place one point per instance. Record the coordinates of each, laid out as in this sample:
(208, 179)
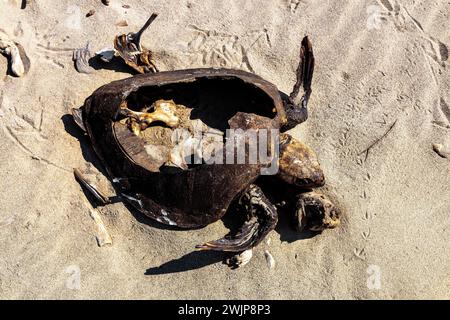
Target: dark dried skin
(296, 108)
(315, 212)
(299, 164)
(177, 198)
(262, 218)
(309, 209)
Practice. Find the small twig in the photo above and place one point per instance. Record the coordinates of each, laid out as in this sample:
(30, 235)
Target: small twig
(366, 151)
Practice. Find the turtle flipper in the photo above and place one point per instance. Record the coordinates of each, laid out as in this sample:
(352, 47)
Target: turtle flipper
(296, 109)
(262, 218)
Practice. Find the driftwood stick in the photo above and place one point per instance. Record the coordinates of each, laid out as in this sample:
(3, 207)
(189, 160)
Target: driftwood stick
(366, 150)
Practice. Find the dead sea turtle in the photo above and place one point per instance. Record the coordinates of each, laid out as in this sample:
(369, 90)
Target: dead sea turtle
(116, 115)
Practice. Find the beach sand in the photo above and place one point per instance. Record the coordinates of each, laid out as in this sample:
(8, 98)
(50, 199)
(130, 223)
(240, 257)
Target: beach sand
(380, 65)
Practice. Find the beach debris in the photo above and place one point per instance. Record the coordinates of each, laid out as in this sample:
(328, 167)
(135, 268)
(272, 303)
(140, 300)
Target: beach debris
(103, 237)
(105, 2)
(441, 150)
(126, 6)
(19, 61)
(106, 54)
(269, 259)
(81, 58)
(241, 259)
(129, 48)
(90, 13)
(122, 23)
(93, 187)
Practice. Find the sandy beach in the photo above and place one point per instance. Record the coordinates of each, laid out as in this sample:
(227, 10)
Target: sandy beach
(381, 99)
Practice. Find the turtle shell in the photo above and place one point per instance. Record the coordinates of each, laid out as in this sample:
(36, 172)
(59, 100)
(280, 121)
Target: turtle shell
(221, 98)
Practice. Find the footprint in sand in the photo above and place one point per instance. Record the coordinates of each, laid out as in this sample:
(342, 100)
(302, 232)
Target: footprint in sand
(441, 114)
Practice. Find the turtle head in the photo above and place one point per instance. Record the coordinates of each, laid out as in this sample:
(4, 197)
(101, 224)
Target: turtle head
(315, 212)
(298, 164)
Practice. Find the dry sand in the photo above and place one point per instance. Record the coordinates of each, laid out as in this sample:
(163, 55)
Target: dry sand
(378, 62)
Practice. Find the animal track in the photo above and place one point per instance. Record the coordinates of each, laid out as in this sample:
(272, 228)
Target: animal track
(394, 11)
(360, 253)
(387, 5)
(441, 114)
(48, 53)
(443, 51)
(366, 234)
(293, 5)
(17, 125)
(434, 48)
(18, 30)
(363, 195)
(220, 49)
(343, 140)
(368, 216)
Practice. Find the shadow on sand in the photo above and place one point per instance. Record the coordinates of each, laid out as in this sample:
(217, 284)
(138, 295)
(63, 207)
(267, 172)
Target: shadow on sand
(116, 64)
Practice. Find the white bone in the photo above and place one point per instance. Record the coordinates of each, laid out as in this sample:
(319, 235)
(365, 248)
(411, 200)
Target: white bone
(102, 236)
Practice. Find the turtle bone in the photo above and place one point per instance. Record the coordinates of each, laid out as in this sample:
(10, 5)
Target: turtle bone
(164, 111)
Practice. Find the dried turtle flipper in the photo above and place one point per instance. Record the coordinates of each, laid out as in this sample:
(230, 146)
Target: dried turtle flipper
(296, 107)
(128, 47)
(19, 61)
(81, 58)
(262, 218)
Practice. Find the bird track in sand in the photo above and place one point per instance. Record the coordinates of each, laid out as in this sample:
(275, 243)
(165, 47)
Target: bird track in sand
(16, 125)
(433, 49)
(293, 5)
(220, 49)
